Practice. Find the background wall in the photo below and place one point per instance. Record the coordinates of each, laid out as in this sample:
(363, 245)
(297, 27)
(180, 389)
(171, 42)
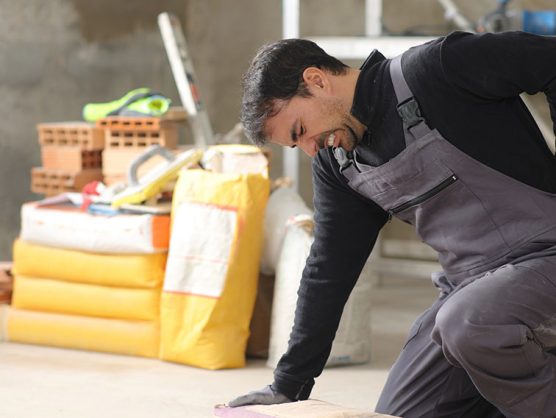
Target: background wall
(56, 56)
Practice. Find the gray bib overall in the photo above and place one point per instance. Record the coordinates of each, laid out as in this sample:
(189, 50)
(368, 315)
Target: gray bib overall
(483, 348)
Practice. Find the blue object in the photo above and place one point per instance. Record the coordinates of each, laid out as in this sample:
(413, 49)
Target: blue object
(542, 22)
(100, 209)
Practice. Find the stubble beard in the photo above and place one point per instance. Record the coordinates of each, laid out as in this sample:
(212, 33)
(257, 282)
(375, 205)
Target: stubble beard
(351, 140)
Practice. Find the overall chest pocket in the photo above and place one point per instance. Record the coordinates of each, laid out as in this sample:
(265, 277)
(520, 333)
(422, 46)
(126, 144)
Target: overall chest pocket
(452, 219)
(398, 187)
(447, 182)
(437, 201)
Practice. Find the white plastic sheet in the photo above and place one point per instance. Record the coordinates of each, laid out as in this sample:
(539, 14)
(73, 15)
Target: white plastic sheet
(283, 204)
(353, 338)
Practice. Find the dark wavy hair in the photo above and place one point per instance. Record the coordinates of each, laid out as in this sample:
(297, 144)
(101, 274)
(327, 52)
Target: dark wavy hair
(276, 74)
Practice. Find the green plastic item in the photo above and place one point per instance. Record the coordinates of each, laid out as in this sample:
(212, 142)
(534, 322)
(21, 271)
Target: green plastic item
(139, 102)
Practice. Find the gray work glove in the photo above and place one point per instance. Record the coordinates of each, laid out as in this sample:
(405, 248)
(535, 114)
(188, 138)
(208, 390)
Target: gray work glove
(264, 396)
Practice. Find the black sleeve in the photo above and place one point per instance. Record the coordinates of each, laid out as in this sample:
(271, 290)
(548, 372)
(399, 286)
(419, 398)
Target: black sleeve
(497, 66)
(346, 228)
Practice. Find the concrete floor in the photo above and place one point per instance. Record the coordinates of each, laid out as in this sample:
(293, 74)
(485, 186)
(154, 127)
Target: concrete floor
(48, 382)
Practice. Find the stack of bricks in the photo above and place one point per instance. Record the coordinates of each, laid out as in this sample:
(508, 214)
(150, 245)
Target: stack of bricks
(128, 137)
(71, 154)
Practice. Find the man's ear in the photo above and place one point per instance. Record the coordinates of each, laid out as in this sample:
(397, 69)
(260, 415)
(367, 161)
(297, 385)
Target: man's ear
(316, 80)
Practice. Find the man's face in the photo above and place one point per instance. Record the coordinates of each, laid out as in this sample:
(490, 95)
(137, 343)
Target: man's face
(312, 123)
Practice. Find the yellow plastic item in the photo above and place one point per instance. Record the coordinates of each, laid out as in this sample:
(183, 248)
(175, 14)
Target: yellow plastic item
(154, 181)
(212, 270)
(125, 270)
(85, 299)
(137, 338)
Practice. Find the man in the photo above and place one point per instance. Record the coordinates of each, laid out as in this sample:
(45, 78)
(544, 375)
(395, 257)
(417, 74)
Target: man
(441, 140)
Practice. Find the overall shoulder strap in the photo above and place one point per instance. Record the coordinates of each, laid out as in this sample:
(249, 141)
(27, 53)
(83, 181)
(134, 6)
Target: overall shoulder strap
(414, 125)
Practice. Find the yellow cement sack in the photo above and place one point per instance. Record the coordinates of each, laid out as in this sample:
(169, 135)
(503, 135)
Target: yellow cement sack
(137, 338)
(128, 270)
(59, 296)
(212, 270)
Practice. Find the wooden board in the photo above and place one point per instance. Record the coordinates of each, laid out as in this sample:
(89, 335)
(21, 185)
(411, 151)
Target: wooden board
(304, 409)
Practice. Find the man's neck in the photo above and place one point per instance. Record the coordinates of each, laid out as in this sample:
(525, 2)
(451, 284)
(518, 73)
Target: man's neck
(349, 85)
(344, 85)
(344, 88)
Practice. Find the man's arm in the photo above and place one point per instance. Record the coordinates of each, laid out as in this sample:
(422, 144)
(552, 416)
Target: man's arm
(346, 228)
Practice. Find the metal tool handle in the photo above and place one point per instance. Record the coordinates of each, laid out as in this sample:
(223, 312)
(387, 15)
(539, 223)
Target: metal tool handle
(143, 158)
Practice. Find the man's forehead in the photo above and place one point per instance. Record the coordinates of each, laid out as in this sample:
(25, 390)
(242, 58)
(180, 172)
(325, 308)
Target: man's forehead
(278, 125)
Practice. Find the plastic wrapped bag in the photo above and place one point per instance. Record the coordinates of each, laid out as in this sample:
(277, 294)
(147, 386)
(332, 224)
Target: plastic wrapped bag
(352, 342)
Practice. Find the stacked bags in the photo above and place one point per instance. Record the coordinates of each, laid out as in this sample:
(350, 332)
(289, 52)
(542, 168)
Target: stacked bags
(94, 282)
(121, 284)
(88, 281)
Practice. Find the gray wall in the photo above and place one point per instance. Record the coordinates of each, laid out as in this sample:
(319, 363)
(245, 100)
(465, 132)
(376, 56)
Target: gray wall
(57, 55)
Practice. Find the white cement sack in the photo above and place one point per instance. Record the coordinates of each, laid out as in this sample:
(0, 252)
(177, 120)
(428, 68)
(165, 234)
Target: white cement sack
(283, 204)
(65, 226)
(352, 342)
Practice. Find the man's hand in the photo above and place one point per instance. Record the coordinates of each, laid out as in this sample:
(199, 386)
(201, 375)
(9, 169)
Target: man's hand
(264, 396)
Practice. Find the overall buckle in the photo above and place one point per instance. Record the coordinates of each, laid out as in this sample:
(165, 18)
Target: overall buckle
(342, 157)
(410, 113)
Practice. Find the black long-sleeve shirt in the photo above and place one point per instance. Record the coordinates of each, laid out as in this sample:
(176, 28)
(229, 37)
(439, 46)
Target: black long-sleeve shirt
(468, 88)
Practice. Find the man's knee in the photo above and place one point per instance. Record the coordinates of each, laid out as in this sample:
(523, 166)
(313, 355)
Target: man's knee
(471, 334)
(452, 331)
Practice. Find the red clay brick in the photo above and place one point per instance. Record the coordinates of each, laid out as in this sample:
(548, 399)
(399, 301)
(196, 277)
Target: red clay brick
(72, 159)
(116, 162)
(176, 113)
(51, 182)
(110, 179)
(167, 137)
(77, 134)
(124, 123)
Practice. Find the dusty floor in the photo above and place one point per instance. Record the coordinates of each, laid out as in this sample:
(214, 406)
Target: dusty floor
(48, 382)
